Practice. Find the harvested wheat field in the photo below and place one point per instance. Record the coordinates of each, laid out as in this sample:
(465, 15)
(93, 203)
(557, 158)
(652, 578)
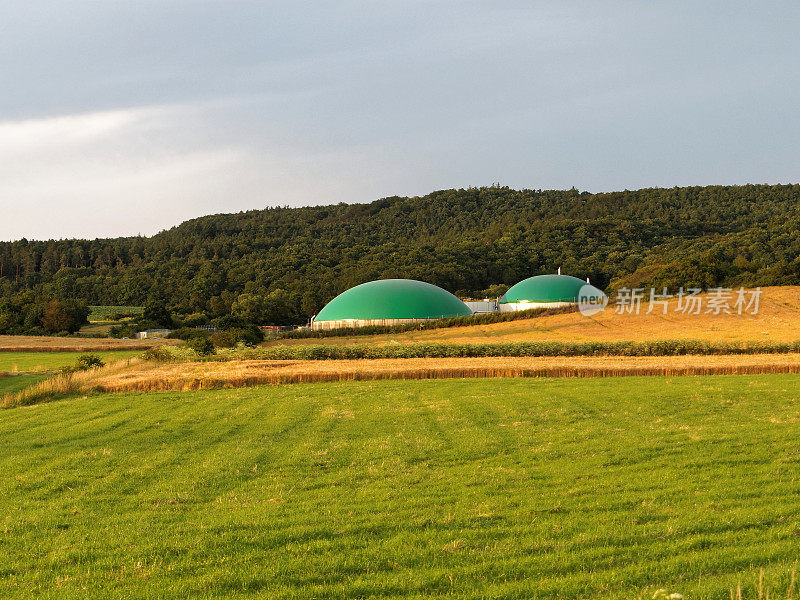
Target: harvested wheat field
(778, 320)
(34, 343)
(145, 376)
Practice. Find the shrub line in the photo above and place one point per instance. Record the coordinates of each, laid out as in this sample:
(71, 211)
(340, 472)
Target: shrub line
(505, 349)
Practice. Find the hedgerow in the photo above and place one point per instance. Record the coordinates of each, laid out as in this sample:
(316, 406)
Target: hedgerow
(507, 349)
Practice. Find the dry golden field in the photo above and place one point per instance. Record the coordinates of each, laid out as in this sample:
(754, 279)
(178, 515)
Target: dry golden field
(144, 376)
(778, 320)
(31, 343)
(137, 374)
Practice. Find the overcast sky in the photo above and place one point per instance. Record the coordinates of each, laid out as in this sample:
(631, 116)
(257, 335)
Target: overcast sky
(119, 118)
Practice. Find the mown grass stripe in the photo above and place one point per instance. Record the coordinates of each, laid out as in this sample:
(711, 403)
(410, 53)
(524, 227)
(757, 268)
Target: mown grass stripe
(418, 489)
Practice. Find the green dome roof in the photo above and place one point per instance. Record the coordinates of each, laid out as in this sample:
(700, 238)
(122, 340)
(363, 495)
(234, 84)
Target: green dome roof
(545, 288)
(393, 299)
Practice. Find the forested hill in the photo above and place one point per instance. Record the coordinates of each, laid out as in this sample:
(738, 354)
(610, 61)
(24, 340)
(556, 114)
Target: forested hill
(296, 259)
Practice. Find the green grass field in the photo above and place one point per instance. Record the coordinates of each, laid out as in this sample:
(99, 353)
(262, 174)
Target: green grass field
(13, 384)
(517, 488)
(50, 361)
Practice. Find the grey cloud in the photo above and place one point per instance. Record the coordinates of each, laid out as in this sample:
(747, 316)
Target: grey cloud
(265, 103)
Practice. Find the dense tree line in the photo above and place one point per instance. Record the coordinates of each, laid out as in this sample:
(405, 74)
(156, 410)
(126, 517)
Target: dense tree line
(281, 265)
(28, 313)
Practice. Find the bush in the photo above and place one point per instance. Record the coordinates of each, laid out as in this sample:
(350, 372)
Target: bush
(158, 353)
(223, 339)
(229, 322)
(144, 324)
(85, 362)
(188, 333)
(201, 345)
(89, 361)
(250, 335)
(122, 331)
(156, 311)
(195, 320)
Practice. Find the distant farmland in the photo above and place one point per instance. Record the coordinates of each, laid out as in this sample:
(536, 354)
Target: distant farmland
(575, 489)
(778, 320)
(50, 361)
(104, 313)
(34, 343)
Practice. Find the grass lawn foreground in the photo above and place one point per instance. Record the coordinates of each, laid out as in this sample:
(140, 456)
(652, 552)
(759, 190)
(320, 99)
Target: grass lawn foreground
(484, 488)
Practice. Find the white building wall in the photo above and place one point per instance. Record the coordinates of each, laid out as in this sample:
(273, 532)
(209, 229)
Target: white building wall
(483, 306)
(316, 325)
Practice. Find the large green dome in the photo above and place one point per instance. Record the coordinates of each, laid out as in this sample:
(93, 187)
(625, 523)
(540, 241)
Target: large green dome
(545, 288)
(393, 299)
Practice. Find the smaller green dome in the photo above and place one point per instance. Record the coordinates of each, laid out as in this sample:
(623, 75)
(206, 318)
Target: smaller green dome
(545, 288)
(393, 299)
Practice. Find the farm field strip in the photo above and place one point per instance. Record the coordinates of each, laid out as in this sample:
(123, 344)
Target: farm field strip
(210, 375)
(501, 488)
(26, 343)
(51, 361)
